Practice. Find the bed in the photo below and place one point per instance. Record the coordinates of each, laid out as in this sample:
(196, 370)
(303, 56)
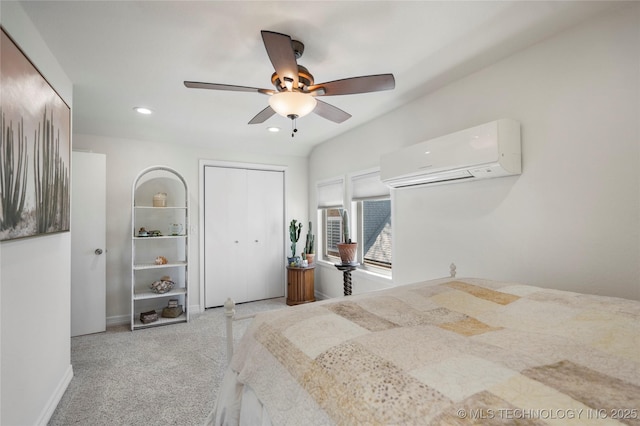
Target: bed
(447, 351)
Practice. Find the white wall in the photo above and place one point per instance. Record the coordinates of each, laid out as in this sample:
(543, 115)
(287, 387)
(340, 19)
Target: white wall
(125, 159)
(572, 220)
(35, 275)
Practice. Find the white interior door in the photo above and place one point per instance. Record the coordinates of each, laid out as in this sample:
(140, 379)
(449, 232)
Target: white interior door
(265, 195)
(88, 257)
(225, 232)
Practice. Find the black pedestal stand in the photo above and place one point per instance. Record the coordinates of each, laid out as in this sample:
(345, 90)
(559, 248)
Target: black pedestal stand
(346, 275)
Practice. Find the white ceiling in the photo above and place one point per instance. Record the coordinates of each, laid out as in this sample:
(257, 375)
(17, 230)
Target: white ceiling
(122, 54)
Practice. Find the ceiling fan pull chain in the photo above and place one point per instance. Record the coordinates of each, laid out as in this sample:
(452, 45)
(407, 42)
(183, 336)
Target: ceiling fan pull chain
(294, 126)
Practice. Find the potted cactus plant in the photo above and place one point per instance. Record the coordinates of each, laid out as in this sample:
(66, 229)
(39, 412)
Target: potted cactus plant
(294, 235)
(347, 248)
(309, 250)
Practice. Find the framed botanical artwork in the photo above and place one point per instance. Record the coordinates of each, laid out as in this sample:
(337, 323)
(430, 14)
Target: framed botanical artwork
(35, 149)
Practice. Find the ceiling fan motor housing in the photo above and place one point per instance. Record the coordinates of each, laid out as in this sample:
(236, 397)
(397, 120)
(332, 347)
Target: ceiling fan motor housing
(305, 79)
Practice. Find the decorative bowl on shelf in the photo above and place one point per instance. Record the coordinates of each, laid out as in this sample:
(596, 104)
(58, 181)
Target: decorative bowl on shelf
(162, 286)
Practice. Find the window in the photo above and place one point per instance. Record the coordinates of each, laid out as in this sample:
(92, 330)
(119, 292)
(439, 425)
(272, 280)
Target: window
(372, 201)
(374, 218)
(332, 220)
(370, 217)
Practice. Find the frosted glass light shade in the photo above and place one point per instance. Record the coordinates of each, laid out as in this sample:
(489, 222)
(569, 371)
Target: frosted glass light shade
(292, 103)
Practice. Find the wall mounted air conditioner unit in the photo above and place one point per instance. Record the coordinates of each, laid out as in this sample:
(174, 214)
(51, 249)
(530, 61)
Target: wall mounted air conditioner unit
(481, 152)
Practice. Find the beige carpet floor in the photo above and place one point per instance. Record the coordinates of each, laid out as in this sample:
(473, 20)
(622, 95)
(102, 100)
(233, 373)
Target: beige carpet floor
(166, 375)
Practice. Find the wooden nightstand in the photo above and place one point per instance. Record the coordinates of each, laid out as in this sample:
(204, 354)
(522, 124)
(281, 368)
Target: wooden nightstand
(300, 285)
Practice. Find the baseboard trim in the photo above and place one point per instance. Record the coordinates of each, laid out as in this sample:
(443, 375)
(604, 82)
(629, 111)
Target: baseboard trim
(55, 398)
(320, 296)
(118, 320)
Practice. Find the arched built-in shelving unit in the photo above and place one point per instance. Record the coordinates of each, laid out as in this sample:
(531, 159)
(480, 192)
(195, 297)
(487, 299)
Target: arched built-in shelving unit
(172, 246)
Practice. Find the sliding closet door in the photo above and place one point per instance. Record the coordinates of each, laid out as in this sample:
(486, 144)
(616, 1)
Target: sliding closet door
(244, 234)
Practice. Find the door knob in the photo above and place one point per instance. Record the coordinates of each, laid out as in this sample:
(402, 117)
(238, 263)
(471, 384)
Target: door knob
(98, 251)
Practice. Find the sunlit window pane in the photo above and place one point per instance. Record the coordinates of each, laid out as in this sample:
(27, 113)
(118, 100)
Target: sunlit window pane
(376, 228)
(333, 231)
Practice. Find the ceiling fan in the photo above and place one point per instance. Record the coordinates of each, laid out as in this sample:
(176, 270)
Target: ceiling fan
(295, 90)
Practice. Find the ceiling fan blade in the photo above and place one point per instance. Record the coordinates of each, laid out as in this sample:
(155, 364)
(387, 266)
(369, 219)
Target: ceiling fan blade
(262, 116)
(331, 112)
(354, 85)
(214, 86)
(282, 56)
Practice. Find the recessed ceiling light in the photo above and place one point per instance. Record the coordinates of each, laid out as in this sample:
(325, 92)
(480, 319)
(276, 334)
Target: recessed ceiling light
(143, 110)
(273, 129)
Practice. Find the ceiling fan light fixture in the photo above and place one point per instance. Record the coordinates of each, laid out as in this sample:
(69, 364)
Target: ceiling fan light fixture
(292, 103)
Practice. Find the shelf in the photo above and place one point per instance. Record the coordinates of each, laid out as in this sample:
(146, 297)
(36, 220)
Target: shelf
(160, 237)
(159, 208)
(141, 266)
(161, 321)
(155, 180)
(149, 294)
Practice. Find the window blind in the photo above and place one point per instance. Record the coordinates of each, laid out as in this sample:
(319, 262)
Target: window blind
(330, 193)
(368, 186)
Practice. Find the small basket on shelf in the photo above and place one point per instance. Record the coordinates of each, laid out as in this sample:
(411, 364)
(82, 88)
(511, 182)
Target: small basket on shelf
(147, 317)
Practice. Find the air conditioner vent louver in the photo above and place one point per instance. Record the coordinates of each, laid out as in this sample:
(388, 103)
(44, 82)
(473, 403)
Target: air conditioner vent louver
(485, 151)
(422, 180)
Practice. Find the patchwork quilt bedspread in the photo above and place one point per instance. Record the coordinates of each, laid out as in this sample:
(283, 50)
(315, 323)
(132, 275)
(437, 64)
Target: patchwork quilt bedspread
(449, 351)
